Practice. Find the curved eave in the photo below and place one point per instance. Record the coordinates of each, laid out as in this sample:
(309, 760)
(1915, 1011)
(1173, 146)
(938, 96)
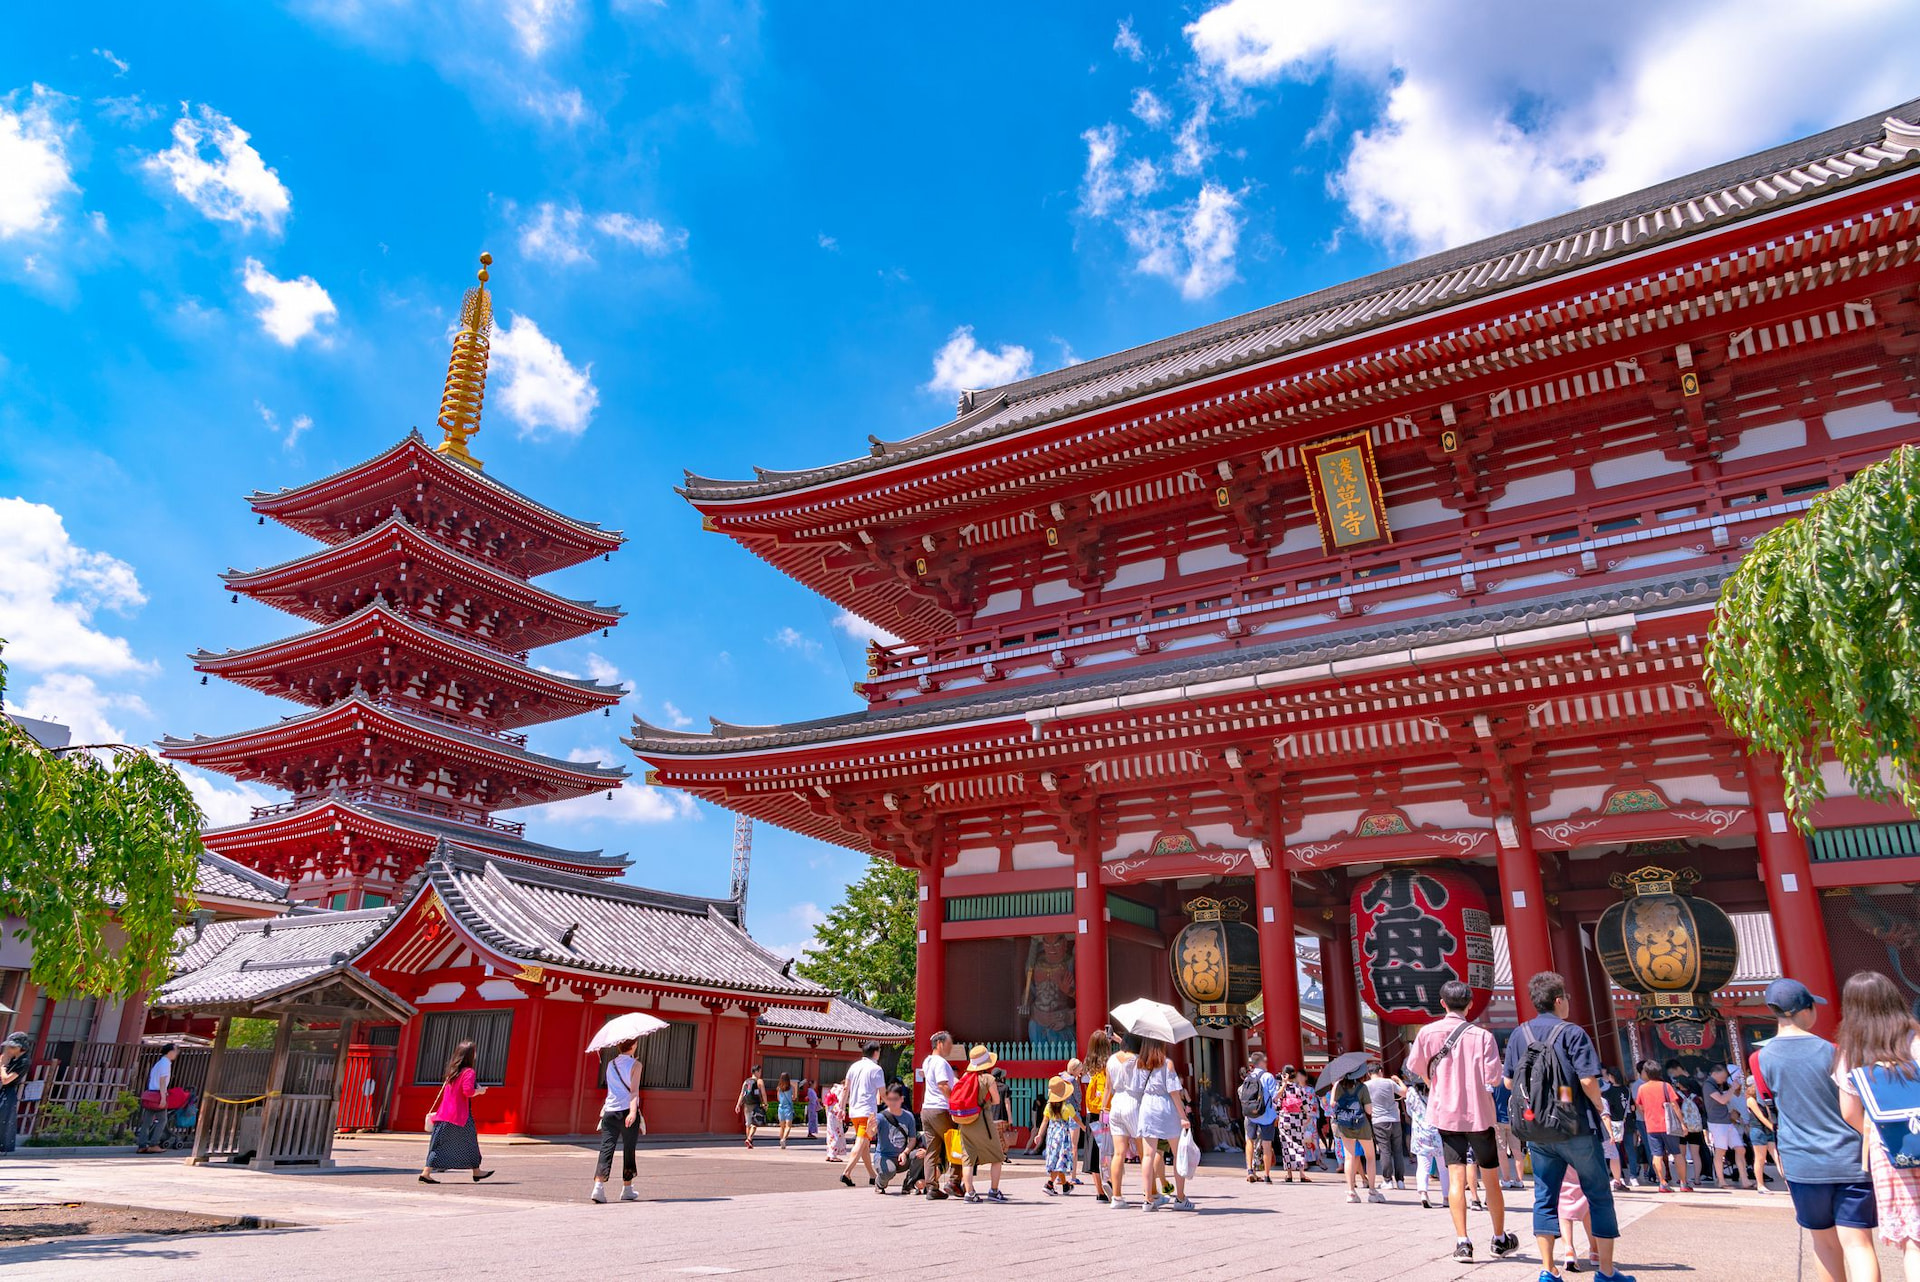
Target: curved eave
(1854, 155)
(581, 540)
(255, 667)
(398, 827)
(336, 721)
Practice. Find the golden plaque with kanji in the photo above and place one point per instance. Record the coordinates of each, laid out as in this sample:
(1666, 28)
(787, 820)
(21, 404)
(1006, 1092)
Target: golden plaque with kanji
(1346, 491)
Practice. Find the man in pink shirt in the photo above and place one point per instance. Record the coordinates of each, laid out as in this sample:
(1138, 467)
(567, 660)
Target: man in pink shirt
(1461, 1062)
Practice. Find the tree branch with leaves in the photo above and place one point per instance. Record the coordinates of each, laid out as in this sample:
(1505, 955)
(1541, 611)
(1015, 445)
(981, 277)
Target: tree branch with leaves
(1813, 648)
(92, 838)
(867, 949)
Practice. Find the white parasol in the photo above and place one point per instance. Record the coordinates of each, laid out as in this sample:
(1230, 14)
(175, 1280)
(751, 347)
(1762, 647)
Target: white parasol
(1144, 1017)
(624, 1028)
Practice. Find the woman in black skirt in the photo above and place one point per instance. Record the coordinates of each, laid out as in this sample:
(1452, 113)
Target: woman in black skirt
(453, 1144)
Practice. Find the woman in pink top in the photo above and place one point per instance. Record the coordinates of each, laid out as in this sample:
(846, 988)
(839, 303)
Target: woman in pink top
(453, 1144)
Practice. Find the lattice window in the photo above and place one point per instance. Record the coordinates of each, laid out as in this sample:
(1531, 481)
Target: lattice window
(667, 1057)
(441, 1031)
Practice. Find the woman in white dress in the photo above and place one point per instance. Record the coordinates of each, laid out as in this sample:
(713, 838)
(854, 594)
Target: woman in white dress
(1123, 1117)
(1163, 1117)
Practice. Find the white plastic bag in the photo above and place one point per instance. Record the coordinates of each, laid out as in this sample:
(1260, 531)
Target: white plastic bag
(1186, 1156)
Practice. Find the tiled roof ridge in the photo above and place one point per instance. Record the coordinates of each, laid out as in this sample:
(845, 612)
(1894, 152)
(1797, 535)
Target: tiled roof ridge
(413, 437)
(277, 890)
(1653, 592)
(1701, 185)
(782, 964)
(553, 878)
(381, 605)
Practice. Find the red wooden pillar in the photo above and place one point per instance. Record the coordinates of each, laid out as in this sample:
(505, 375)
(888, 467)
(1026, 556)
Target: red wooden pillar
(1089, 945)
(1523, 903)
(1798, 926)
(1279, 970)
(930, 960)
(1341, 984)
(1569, 958)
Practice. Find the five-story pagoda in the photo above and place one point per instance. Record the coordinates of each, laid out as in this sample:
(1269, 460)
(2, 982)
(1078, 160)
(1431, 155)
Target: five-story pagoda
(415, 680)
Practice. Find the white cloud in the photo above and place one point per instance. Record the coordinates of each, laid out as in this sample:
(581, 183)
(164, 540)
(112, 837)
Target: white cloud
(557, 106)
(829, 243)
(649, 235)
(1149, 110)
(539, 24)
(290, 310)
(1192, 147)
(35, 174)
(224, 801)
(540, 390)
(603, 671)
(801, 918)
(862, 631)
(131, 111)
(1143, 177)
(1100, 189)
(676, 718)
(236, 187)
(554, 234)
(1126, 42)
(291, 433)
(632, 803)
(120, 65)
(76, 701)
(790, 638)
(1488, 120)
(51, 589)
(1193, 246)
(962, 364)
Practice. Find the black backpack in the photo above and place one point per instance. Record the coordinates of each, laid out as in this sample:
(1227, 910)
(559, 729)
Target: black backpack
(1545, 1111)
(1253, 1096)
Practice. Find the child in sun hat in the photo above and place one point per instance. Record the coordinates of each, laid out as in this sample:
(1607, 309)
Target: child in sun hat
(1060, 1127)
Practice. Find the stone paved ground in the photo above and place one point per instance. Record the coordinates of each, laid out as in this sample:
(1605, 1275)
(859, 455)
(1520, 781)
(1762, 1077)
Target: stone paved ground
(713, 1210)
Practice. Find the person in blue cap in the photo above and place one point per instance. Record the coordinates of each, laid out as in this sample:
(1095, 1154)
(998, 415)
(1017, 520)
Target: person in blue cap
(1820, 1154)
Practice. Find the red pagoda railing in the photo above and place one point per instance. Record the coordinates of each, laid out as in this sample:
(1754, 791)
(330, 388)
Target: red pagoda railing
(1663, 515)
(458, 723)
(396, 799)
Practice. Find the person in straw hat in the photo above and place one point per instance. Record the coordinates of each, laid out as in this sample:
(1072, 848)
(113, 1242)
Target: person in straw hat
(1060, 1134)
(968, 1100)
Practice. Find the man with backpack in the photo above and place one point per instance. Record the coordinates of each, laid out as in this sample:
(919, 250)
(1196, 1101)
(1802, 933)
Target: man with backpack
(1257, 1091)
(1461, 1062)
(751, 1103)
(1554, 1073)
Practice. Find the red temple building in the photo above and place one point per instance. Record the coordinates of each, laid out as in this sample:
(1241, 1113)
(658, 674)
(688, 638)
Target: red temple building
(414, 684)
(1413, 572)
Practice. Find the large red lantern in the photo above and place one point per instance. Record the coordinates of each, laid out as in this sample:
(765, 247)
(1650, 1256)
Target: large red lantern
(1417, 928)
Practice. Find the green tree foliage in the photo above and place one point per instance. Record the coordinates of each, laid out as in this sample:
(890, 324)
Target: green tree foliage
(1814, 644)
(87, 844)
(865, 949)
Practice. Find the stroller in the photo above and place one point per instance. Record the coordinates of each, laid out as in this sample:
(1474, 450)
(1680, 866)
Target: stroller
(184, 1121)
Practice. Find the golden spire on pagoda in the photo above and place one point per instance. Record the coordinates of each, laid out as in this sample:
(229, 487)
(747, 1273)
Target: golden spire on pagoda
(467, 373)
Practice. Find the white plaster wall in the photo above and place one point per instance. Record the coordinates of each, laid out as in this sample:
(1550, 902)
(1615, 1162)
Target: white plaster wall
(1535, 489)
(1054, 591)
(442, 992)
(1219, 835)
(999, 603)
(978, 859)
(1040, 854)
(1875, 416)
(1771, 439)
(1565, 801)
(629, 1000)
(1301, 538)
(500, 990)
(1661, 557)
(681, 1006)
(1411, 516)
(1217, 557)
(1451, 813)
(1633, 467)
(1134, 573)
(1543, 579)
(1701, 788)
(1319, 827)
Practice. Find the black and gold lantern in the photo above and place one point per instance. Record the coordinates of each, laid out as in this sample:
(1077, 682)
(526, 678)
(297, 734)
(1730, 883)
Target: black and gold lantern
(1216, 962)
(1662, 943)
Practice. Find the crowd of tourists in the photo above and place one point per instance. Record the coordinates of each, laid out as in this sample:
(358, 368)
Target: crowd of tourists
(1840, 1123)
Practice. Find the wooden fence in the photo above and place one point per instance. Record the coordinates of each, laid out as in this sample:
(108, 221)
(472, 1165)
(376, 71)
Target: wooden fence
(101, 1072)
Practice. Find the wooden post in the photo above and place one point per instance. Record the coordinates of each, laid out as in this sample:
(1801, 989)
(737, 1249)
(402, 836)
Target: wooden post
(339, 1081)
(276, 1081)
(207, 1102)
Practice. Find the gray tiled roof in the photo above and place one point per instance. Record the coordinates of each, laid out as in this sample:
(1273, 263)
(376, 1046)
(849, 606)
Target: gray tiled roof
(223, 878)
(489, 839)
(552, 918)
(842, 1018)
(1808, 168)
(1662, 592)
(263, 957)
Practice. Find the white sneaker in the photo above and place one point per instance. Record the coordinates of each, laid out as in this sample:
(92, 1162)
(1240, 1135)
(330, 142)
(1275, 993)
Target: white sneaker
(1155, 1203)
(627, 1194)
(599, 1194)
(1120, 1204)
(1376, 1196)
(1183, 1204)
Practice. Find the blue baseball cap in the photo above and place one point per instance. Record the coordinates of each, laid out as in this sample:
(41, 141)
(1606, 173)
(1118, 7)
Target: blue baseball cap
(1790, 996)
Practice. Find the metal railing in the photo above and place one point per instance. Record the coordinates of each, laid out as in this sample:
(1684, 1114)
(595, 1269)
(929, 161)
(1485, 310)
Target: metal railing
(397, 799)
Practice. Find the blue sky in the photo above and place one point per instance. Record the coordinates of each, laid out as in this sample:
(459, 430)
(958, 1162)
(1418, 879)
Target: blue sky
(231, 248)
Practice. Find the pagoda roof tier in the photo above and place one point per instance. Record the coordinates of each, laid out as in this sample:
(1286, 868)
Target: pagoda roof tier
(417, 573)
(467, 507)
(381, 651)
(555, 927)
(909, 535)
(395, 826)
(359, 743)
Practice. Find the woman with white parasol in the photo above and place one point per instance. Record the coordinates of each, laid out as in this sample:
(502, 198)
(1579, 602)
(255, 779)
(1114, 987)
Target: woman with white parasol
(620, 1120)
(1149, 1099)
